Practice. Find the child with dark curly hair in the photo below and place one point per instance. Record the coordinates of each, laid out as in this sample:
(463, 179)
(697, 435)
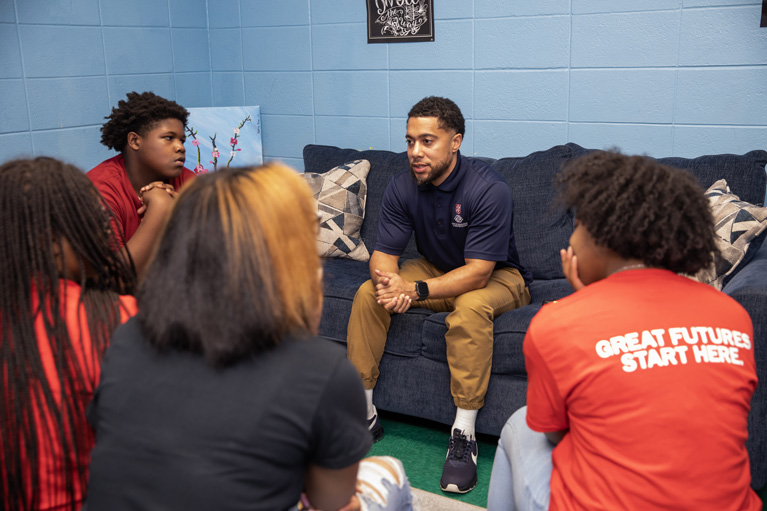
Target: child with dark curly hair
(140, 183)
(640, 382)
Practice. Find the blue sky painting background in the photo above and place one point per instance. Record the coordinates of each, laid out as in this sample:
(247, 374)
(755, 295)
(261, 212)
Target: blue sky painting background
(221, 122)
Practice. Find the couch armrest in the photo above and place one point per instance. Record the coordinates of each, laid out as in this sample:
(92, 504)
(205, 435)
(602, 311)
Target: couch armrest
(749, 288)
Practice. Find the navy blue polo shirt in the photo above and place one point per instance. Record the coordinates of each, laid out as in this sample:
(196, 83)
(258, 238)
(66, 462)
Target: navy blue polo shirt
(469, 216)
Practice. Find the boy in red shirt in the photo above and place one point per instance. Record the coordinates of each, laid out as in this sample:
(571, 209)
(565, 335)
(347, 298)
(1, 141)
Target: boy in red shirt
(642, 378)
(141, 182)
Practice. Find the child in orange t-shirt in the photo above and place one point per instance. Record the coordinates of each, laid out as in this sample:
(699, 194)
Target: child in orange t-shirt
(60, 299)
(640, 383)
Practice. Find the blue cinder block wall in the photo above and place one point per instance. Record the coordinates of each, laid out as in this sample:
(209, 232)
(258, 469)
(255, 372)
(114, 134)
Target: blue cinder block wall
(662, 77)
(66, 63)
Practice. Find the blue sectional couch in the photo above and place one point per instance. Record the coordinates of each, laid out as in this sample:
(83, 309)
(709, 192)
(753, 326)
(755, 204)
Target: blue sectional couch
(415, 379)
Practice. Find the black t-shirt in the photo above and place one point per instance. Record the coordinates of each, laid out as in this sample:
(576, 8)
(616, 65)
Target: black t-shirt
(173, 433)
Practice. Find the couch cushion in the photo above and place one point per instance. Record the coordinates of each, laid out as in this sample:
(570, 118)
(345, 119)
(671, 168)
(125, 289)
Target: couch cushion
(548, 290)
(383, 166)
(740, 229)
(540, 228)
(340, 195)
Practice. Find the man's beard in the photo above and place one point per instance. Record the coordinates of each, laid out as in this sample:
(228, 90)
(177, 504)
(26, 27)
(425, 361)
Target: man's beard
(436, 172)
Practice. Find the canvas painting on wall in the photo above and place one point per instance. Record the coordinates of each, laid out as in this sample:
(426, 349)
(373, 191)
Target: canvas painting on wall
(219, 137)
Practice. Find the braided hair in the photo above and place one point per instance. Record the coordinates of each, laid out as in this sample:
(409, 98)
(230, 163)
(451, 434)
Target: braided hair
(139, 114)
(42, 202)
(641, 209)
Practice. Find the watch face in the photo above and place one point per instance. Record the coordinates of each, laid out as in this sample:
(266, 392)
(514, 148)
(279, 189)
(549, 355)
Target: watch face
(422, 288)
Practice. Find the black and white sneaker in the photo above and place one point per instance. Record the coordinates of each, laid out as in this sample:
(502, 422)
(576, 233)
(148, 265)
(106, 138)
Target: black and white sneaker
(459, 475)
(374, 425)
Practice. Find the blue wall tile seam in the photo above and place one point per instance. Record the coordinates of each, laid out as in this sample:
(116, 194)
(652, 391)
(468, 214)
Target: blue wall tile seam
(655, 124)
(721, 7)
(520, 17)
(681, 8)
(569, 74)
(676, 80)
(493, 70)
(388, 85)
(388, 95)
(500, 69)
(176, 73)
(284, 71)
(210, 54)
(473, 70)
(527, 121)
(621, 13)
(63, 128)
(119, 75)
(335, 116)
(352, 70)
(76, 25)
(107, 109)
(125, 27)
(312, 115)
(251, 27)
(660, 68)
(242, 51)
(311, 70)
(24, 81)
(16, 132)
(173, 58)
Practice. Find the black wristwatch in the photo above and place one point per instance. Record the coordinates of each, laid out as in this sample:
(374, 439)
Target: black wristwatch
(422, 289)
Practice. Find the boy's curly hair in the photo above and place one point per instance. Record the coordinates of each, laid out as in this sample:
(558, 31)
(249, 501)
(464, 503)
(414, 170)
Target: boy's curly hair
(140, 113)
(641, 209)
(445, 110)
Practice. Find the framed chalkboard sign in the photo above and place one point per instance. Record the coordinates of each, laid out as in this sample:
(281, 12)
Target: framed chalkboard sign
(400, 21)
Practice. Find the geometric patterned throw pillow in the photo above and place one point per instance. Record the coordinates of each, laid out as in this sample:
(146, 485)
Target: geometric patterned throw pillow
(738, 224)
(340, 194)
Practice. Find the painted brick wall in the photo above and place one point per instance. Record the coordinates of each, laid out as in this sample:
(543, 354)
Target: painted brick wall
(663, 77)
(65, 64)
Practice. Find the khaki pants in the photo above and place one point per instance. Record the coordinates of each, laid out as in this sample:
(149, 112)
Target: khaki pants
(469, 335)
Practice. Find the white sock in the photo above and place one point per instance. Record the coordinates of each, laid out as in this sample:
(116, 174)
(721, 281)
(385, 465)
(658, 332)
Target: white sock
(464, 421)
(371, 407)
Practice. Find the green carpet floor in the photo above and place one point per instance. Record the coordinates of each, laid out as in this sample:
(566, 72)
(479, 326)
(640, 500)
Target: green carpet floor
(421, 445)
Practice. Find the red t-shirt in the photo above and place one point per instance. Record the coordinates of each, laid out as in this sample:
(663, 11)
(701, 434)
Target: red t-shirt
(112, 182)
(653, 375)
(53, 494)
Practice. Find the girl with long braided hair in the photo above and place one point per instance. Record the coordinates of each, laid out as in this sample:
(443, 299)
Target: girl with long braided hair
(60, 299)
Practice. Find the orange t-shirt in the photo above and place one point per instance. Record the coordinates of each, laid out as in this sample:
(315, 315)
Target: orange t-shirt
(53, 494)
(652, 373)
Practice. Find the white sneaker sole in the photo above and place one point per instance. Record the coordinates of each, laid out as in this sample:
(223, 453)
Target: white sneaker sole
(453, 488)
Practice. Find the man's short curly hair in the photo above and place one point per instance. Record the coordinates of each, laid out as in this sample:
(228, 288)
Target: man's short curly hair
(641, 209)
(445, 110)
(140, 113)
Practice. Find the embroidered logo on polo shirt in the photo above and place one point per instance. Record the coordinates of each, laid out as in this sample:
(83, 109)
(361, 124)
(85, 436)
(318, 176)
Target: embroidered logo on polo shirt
(458, 219)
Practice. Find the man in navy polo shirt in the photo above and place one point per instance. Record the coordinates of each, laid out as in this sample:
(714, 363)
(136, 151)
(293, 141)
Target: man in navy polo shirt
(461, 212)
